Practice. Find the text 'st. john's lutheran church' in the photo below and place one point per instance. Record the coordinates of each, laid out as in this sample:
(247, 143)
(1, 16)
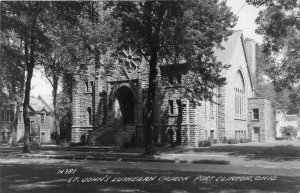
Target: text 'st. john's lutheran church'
(112, 110)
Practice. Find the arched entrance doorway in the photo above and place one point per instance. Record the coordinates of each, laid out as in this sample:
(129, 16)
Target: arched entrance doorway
(124, 106)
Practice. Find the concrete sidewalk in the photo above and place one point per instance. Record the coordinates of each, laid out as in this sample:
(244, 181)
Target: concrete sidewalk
(280, 154)
(127, 157)
(188, 157)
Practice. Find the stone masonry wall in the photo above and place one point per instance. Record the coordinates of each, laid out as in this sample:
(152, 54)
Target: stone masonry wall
(270, 127)
(82, 99)
(265, 124)
(235, 125)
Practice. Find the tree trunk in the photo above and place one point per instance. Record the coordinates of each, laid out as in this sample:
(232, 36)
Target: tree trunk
(30, 66)
(56, 114)
(26, 147)
(97, 66)
(149, 147)
(68, 89)
(15, 125)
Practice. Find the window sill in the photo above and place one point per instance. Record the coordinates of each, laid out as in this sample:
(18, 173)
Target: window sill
(88, 93)
(239, 119)
(255, 120)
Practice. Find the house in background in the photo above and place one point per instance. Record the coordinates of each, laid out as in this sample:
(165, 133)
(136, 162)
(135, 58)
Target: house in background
(41, 120)
(7, 113)
(284, 120)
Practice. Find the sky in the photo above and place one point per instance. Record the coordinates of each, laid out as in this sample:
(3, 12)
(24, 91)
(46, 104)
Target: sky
(246, 22)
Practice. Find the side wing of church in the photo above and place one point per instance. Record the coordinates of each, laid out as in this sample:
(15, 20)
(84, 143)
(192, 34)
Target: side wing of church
(111, 110)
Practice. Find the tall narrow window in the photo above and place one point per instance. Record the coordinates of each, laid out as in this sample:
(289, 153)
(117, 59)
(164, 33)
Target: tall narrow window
(171, 79)
(89, 110)
(171, 107)
(104, 111)
(174, 78)
(20, 117)
(255, 114)
(87, 87)
(235, 101)
(92, 86)
(178, 78)
(240, 103)
(7, 115)
(239, 96)
(243, 103)
(179, 107)
(12, 115)
(3, 115)
(42, 119)
(31, 127)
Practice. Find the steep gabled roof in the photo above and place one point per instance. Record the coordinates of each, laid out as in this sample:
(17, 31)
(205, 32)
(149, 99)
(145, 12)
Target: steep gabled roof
(226, 54)
(47, 100)
(38, 105)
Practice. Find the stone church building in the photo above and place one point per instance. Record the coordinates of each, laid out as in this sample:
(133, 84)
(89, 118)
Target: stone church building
(111, 110)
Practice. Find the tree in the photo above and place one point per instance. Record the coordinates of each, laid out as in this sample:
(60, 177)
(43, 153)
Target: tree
(279, 24)
(91, 36)
(26, 19)
(23, 19)
(97, 37)
(175, 31)
(54, 64)
(65, 105)
(55, 60)
(263, 85)
(12, 76)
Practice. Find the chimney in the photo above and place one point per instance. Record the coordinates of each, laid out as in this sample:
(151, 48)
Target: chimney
(250, 54)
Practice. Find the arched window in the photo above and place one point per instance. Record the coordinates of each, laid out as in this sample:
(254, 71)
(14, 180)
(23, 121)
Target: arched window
(239, 96)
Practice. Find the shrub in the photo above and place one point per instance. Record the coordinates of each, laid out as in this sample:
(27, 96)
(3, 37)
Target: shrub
(243, 140)
(290, 132)
(223, 140)
(131, 143)
(281, 138)
(232, 141)
(74, 144)
(125, 139)
(204, 143)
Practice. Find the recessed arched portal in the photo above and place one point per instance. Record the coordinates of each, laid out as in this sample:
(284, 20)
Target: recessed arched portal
(124, 106)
